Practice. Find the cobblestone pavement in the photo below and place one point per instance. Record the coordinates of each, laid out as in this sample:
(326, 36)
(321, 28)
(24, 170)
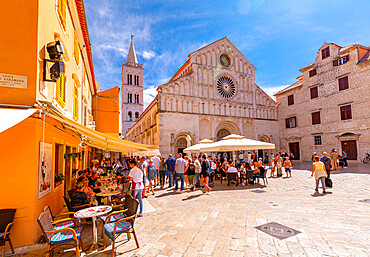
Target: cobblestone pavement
(223, 222)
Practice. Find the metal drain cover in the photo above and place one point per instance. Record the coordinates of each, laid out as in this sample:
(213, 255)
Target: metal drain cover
(364, 201)
(277, 230)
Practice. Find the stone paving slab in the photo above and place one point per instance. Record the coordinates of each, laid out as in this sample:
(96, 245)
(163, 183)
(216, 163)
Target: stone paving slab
(223, 222)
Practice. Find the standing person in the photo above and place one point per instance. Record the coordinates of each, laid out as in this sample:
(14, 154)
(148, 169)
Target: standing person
(272, 165)
(151, 171)
(156, 161)
(327, 162)
(291, 158)
(320, 174)
(180, 170)
(204, 174)
(162, 172)
(191, 174)
(344, 157)
(143, 165)
(136, 176)
(212, 170)
(186, 171)
(288, 167)
(279, 165)
(334, 158)
(170, 166)
(266, 161)
(313, 156)
(197, 171)
(241, 158)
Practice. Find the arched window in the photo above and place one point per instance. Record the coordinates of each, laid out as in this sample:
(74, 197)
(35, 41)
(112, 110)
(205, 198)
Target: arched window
(136, 98)
(137, 80)
(129, 97)
(129, 116)
(136, 115)
(129, 79)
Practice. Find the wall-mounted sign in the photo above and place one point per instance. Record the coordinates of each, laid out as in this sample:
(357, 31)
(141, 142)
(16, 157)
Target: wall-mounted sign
(14, 81)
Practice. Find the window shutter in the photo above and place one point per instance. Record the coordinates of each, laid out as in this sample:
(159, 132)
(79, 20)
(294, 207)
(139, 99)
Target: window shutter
(347, 58)
(342, 113)
(287, 123)
(76, 49)
(64, 89)
(335, 63)
(314, 92)
(348, 112)
(290, 99)
(343, 83)
(316, 118)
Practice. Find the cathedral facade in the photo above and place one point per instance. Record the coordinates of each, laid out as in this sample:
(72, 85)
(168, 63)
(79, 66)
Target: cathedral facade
(212, 95)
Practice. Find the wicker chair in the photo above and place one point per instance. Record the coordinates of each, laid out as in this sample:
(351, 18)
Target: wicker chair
(6, 223)
(59, 236)
(113, 230)
(68, 222)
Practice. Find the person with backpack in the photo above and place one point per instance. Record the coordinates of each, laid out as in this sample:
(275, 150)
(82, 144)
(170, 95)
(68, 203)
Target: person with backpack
(204, 174)
(191, 174)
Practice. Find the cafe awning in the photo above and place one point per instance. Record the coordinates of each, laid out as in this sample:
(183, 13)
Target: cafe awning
(97, 139)
(10, 117)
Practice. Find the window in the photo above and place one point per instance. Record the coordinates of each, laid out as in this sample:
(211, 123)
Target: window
(290, 99)
(325, 53)
(312, 73)
(316, 118)
(136, 115)
(345, 112)
(129, 98)
(61, 89)
(314, 92)
(291, 122)
(318, 140)
(137, 80)
(75, 103)
(136, 98)
(128, 79)
(343, 83)
(62, 8)
(76, 49)
(129, 116)
(341, 61)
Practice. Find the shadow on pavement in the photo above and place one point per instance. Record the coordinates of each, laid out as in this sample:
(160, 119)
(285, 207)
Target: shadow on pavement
(353, 167)
(192, 197)
(317, 194)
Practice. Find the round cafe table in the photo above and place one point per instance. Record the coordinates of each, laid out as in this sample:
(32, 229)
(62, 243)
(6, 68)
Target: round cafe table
(93, 212)
(108, 194)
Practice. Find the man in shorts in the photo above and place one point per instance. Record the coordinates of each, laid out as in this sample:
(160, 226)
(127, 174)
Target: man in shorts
(288, 166)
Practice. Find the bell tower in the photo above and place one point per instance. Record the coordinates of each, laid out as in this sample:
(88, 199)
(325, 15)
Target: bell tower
(132, 90)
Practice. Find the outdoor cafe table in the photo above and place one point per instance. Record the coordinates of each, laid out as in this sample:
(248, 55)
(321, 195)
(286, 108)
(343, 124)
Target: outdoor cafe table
(108, 194)
(93, 212)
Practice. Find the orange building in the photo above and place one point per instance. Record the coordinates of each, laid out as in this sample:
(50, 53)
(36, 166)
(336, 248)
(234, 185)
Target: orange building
(106, 111)
(46, 121)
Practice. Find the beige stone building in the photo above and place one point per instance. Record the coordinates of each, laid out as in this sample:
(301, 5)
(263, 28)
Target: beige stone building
(212, 95)
(328, 107)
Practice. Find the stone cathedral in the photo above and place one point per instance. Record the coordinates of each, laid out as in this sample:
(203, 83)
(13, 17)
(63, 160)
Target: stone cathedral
(211, 96)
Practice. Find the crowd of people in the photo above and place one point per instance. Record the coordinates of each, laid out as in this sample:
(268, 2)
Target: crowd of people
(191, 172)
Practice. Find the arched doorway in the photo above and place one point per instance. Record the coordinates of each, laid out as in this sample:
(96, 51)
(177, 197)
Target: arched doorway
(222, 133)
(181, 144)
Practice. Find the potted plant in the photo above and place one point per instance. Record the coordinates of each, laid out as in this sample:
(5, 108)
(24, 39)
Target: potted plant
(58, 179)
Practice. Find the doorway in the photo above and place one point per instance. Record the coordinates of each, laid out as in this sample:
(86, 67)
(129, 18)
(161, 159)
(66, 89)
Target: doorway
(67, 172)
(294, 148)
(350, 147)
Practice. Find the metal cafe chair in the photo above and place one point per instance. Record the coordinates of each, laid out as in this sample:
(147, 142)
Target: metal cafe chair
(59, 236)
(6, 223)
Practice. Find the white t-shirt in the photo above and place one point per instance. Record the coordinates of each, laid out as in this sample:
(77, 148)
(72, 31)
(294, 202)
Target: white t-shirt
(137, 176)
(232, 170)
(156, 160)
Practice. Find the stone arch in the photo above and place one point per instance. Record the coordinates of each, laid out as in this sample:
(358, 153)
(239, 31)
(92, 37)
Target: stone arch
(222, 133)
(181, 142)
(264, 138)
(176, 89)
(205, 131)
(170, 89)
(213, 58)
(229, 126)
(198, 59)
(182, 88)
(200, 75)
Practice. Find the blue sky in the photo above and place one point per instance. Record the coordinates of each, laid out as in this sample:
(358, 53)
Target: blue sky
(277, 36)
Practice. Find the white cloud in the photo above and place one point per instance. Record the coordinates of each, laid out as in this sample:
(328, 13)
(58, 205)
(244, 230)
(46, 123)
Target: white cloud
(147, 55)
(149, 94)
(271, 90)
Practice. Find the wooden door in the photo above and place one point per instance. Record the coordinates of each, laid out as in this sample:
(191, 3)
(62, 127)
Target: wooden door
(67, 172)
(350, 147)
(294, 148)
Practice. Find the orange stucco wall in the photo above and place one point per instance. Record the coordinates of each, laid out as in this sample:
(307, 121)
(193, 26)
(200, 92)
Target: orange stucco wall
(106, 111)
(19, 151)
(18, 48)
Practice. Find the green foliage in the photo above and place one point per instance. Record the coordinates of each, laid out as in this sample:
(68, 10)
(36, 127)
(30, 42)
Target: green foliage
(73, 156)
(58, 177)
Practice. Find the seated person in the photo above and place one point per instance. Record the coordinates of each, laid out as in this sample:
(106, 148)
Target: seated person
(232, 174)
(242, 173)
(259, 171)
(79, 197)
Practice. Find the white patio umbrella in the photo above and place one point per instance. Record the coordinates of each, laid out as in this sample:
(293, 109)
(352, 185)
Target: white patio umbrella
(236, 143)
(196, 148)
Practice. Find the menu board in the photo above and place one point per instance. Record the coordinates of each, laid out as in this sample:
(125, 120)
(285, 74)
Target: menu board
(45, 168)
(11, 80)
